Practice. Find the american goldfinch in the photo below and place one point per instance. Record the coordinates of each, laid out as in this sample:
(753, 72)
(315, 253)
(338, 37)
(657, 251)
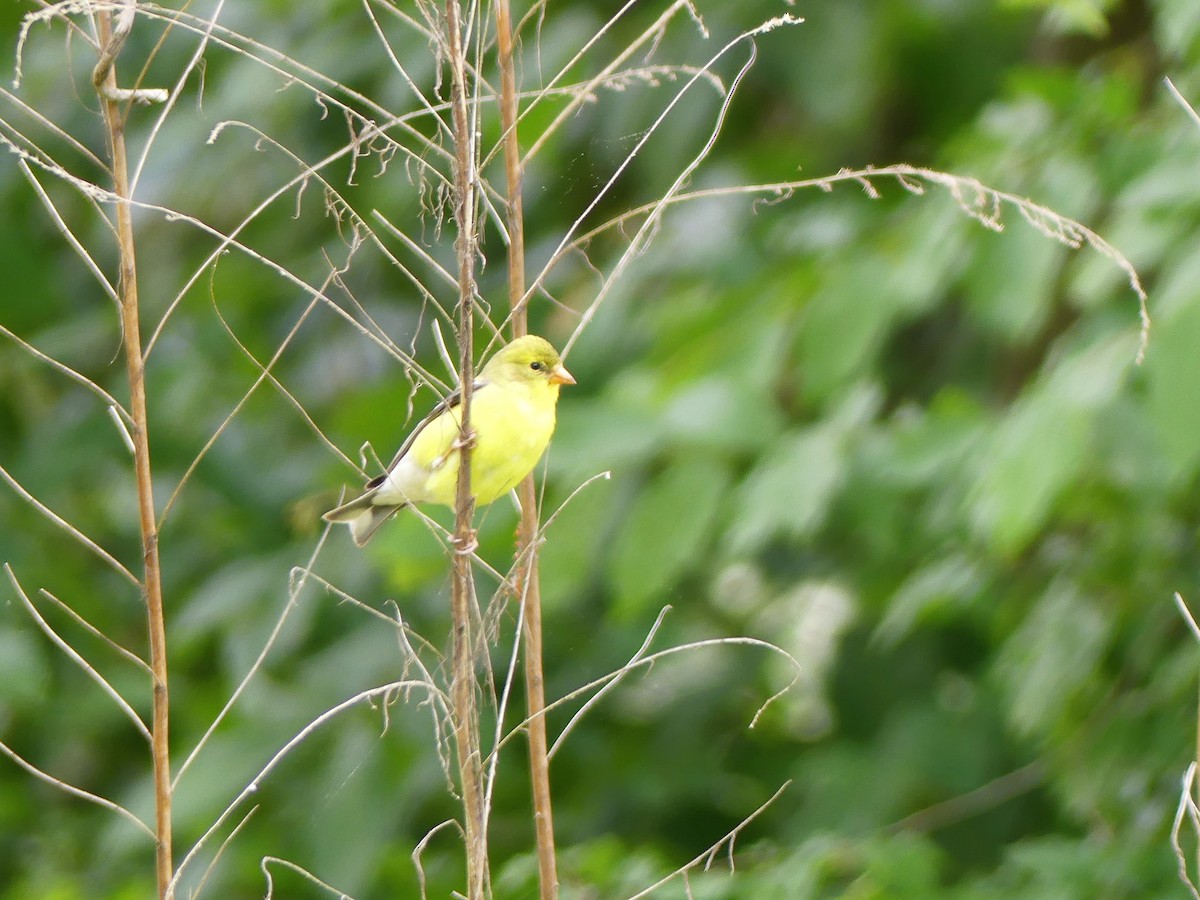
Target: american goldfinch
(512, 415)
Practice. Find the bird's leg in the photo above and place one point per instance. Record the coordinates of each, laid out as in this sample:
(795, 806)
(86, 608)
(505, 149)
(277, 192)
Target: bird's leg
(469, 543)
(466, 441)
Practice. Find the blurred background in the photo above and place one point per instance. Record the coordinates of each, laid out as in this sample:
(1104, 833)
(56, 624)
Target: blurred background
(915, 453)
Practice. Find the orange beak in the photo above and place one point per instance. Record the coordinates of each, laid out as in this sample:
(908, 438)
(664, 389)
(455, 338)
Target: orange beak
(560, 375)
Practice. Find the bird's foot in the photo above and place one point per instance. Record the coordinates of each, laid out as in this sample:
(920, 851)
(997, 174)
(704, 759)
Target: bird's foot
(464, 441)
(465, 546)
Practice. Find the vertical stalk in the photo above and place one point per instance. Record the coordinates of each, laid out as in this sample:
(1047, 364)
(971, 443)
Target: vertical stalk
(462, 603)
(529, 588)
(527, 583)
(512, 169)
(105, 80)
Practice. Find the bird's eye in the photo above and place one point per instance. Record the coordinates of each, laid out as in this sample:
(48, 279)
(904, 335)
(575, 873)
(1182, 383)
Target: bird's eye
(536, 366)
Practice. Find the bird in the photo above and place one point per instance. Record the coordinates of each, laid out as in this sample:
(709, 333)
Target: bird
(513, 405)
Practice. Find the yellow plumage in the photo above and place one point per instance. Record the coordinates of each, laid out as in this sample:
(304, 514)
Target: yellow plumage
(512, 416)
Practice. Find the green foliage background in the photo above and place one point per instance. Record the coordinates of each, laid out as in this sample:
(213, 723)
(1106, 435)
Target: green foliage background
(914, 453)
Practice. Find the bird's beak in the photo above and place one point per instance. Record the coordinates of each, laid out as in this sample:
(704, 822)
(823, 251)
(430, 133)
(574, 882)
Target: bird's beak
(560, 375)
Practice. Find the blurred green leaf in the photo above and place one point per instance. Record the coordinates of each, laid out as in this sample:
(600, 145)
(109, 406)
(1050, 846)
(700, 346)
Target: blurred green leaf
(1088, 16)
(1051, 659)
(845, 323)
(594, 437)
(947, 584)
(1010, 281)
(788, 493)
(569, 566)
(666, 530)
(23, 667)
(1172, 378)
(721, 414)
(1044, 444)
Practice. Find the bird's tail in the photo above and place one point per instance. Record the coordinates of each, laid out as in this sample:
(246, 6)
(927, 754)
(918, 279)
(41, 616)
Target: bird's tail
(363, 516)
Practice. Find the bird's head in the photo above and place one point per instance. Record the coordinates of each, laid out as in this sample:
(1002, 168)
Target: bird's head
(528, 359)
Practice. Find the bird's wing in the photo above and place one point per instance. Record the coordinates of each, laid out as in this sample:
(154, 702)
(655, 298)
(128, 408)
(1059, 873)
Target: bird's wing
(451, 401)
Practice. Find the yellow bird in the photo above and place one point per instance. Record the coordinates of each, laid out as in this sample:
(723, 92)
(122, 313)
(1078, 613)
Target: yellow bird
(512, 415)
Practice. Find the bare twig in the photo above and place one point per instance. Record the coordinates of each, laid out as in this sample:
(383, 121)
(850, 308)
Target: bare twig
(1186, 808)
(295, 183)
(327, 91)
(212, 865)
(74, 791)
(709, 855)
(68, 235)
(74, 656)
(172, 97)
(442, 127)
(651, 35)
(1182, 606)
(55, 129)
(293, 598)
(264, 375)
(645, 661)
(647, 229)
(974, 198)
(299, 738)
(972, 803)
(526, 576)
(299, 870)
(70, 529)
(419, 851)
(462, 602)
(96, 632)
(1187, 798)
(599, 695)
(512, 167)
(1182, 101)
(62, 367)
(502, 710)
(287, 395)
(105, 79)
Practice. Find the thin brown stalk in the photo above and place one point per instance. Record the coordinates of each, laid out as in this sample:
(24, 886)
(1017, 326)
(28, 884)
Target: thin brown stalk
(528, 585)
(466, 717)
(512, 167)
(105, 79)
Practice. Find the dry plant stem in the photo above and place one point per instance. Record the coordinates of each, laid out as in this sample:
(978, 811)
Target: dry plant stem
(528, 586)
(708, 857)
(114, 120)
(373, 695)
(512, 168)
(1188, 796)
(466, 716)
